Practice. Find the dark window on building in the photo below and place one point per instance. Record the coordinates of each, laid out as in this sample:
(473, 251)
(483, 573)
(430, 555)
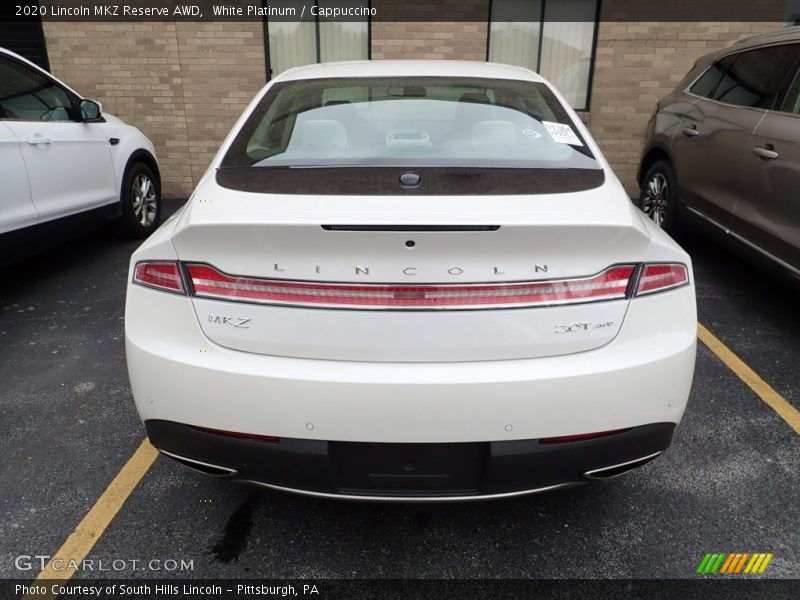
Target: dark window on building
(26, 38)
(555, 38)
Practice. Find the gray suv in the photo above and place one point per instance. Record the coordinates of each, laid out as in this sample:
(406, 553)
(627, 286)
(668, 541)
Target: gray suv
(724, 148)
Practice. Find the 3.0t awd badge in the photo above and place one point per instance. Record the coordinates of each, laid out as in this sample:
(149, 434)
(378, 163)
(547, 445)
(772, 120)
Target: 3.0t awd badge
(583, 326)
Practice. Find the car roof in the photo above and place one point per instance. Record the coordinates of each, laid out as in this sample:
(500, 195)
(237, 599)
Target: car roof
(409, 68)
(787, 34)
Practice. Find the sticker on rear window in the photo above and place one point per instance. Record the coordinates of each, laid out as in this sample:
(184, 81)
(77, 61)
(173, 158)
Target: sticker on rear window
(562, 133)
(531, 133)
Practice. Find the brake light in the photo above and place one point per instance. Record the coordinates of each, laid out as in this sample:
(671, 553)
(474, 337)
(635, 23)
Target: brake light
(160, 275)
(208, 282)
(661, 277)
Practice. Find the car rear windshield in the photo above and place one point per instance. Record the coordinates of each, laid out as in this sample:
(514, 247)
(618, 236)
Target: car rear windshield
(429, 123)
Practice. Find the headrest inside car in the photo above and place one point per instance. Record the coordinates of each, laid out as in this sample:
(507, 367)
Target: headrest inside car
(493, 133)
(320, 133)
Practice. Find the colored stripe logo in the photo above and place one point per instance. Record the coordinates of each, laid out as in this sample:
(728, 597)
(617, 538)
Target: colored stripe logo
(733, 563)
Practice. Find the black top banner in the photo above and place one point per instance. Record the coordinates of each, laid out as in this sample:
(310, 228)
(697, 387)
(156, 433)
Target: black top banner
(712, 11)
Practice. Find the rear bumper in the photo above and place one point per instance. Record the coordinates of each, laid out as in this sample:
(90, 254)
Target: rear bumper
(641, 377)
(411, 472)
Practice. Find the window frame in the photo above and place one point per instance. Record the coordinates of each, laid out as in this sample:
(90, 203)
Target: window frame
(786, 87)
(268, 58)
(598, 6)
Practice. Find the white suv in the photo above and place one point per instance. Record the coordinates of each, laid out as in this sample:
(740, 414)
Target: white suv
(65, 165)
(412, 280)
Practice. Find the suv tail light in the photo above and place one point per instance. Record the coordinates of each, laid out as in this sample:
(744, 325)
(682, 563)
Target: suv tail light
(161, 275)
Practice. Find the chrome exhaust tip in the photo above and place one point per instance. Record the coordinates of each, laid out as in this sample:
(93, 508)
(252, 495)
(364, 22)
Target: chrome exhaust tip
(200, 466)
(621, 468)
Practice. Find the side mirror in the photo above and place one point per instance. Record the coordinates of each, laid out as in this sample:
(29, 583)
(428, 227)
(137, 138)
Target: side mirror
(90, 110)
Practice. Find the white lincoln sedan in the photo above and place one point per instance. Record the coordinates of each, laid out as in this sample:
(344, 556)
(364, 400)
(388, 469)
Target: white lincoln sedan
(410, 280)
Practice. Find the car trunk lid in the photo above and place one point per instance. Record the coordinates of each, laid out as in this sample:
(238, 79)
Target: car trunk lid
(420, 279)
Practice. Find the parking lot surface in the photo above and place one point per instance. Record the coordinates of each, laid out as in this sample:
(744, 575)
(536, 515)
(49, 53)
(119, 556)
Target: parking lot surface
(729, 483)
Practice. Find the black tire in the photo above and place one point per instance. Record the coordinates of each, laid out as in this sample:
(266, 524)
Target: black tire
(140, 218)
(658, 198)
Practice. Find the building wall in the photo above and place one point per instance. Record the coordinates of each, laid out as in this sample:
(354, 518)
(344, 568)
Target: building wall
(429, 40)
(182, 84)
(459, 32)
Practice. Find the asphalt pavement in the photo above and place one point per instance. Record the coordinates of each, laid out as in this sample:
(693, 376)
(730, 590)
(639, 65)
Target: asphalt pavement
(729, 482)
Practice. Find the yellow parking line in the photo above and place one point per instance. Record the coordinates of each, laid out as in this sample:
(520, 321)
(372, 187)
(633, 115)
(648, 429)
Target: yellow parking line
(766, 392)
(85, 536)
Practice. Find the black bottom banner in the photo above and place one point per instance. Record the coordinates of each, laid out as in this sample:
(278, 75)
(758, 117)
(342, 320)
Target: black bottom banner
(405, 589)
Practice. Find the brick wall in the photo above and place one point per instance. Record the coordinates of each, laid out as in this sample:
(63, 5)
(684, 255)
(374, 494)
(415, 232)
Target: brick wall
(429, 40)
(407, 31)
(183, 84)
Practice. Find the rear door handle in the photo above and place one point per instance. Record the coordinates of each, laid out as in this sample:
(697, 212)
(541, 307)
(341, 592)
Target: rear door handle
(38, 139)
(766, 152)
(690, 131)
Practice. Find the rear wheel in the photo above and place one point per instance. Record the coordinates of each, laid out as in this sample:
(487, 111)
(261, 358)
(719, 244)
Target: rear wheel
(658, 198)
(141, 201)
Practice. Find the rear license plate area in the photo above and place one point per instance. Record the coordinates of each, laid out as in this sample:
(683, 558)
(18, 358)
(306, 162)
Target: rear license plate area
(409, 469)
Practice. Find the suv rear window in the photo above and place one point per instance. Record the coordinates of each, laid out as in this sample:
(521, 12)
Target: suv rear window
(432, 123)
(707, 82)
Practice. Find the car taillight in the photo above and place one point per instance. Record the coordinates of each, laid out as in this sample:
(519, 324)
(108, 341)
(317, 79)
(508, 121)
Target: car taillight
(208, 282)
(658, 277)
(160, 275)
